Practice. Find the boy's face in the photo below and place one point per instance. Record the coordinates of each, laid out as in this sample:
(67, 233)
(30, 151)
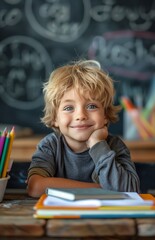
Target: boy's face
(78, 117)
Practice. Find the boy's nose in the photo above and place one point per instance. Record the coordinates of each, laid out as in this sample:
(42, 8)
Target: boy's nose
(81, 115)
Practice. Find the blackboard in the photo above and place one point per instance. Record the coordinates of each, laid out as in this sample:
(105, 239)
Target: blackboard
(38, 35)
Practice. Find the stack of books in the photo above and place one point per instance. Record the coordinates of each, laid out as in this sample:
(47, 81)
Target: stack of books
(93, 203)
(6, 141)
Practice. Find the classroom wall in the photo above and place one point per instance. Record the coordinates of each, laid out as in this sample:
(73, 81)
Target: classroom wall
(38, 35)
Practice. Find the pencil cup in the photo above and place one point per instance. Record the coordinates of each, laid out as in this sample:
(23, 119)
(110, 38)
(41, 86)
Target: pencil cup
(3, 184)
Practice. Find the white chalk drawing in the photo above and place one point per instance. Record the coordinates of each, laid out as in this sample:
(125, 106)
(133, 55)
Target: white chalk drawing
(121, 52)
(139, 18)
(24, 66)
(57, 19)
(10, 17)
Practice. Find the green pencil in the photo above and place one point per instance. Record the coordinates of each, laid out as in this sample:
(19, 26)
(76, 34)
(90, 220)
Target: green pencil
(4, 153)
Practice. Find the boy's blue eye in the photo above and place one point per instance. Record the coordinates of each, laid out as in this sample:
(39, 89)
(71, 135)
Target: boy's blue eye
(68, 108)
(91, 106)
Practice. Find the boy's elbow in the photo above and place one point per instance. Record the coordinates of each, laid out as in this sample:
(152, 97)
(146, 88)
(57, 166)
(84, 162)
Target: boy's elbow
(33, 188)
(32, 192)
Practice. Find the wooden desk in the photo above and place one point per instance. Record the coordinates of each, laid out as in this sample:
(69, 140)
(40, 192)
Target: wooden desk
(17, 222)
(141, 151)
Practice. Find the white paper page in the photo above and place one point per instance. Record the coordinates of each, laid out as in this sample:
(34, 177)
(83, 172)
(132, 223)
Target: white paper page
(134, 200)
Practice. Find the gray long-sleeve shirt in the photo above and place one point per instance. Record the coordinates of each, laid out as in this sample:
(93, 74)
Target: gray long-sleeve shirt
(107, 163)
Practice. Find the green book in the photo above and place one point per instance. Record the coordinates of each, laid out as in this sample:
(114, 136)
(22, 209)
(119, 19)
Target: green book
(85, 193)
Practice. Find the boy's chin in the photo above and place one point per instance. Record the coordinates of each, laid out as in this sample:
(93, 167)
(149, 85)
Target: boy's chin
(82, 139)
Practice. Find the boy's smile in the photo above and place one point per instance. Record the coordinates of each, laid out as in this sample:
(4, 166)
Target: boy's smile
(77, 118)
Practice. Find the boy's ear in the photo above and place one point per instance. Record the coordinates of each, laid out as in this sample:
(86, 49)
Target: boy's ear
(56, 123)
(106, 121)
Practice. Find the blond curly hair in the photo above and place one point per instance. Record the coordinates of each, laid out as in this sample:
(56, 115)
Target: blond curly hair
(84, 76)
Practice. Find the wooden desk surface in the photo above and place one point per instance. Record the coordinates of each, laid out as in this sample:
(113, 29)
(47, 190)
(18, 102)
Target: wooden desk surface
(16, 220)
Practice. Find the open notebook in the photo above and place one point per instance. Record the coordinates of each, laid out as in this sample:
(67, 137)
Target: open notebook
(134, 199)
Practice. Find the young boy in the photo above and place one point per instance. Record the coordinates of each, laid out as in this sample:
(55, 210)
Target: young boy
(80, 152)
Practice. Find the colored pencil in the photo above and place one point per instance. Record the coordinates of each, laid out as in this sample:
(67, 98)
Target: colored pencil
(2, 140)
(4, 153)
(145, 129)
(7, 160)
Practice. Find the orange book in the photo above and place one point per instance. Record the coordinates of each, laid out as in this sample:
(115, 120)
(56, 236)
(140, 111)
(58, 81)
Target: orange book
(146, 197)
(102, 212)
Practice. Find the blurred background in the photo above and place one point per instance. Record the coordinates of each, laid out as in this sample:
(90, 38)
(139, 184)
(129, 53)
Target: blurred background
(37, 36)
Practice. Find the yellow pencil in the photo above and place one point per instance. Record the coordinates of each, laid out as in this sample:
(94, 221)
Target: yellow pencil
(6, 164)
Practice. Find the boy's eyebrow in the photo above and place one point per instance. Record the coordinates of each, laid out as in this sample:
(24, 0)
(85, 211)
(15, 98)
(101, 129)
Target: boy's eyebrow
(68, 100)
(72, 100)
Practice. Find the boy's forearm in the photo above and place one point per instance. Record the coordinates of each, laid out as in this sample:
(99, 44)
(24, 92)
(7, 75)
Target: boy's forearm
(37, 184)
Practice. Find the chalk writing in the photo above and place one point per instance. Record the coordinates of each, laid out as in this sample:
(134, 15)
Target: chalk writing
(24, 65)
(55, 19)
(10, 17)
(122, 53)
(139, 18)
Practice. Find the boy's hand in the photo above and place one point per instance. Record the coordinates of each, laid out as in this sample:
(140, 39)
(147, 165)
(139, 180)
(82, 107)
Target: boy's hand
(97, 136)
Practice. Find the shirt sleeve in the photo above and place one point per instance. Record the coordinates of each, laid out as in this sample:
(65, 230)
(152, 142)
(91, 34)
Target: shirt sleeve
(113, 166)
(43, 160)
(38, 171)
